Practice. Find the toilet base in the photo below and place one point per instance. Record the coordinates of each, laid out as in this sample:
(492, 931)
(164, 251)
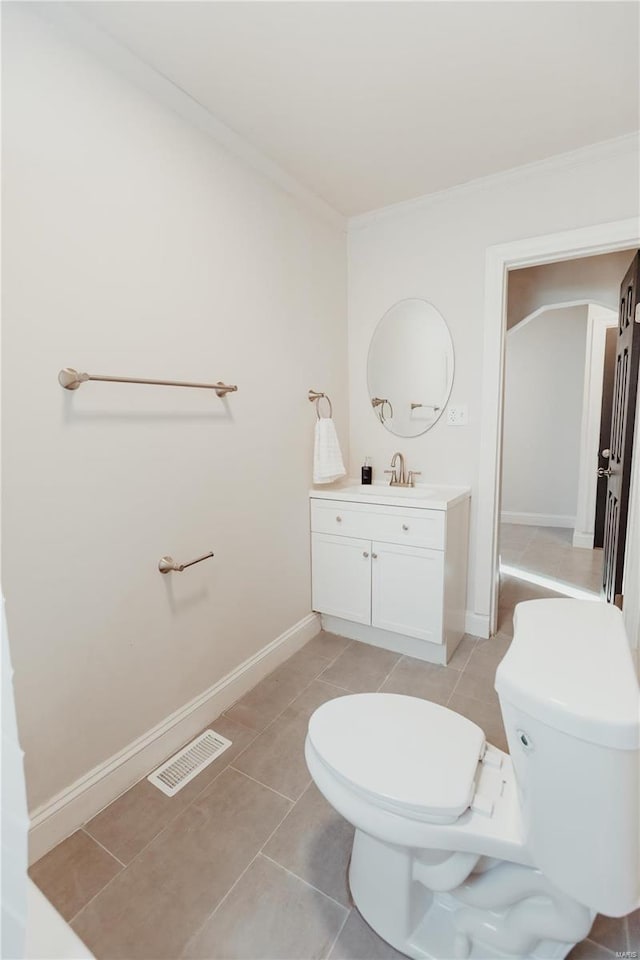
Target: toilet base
(485, 910)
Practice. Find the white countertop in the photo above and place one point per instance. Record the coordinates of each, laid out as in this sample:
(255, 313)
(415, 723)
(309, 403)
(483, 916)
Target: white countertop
(427, 496)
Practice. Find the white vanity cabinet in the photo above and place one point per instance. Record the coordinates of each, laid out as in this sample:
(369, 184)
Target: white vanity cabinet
(389, 574)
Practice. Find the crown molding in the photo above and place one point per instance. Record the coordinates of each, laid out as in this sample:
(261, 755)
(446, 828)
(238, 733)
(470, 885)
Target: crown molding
(594, 153)
(119, 58)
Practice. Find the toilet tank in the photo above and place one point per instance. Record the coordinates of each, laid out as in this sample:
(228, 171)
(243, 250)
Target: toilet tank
(571, 709)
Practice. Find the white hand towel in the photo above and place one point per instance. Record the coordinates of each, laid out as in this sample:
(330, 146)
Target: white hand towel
(327, 458)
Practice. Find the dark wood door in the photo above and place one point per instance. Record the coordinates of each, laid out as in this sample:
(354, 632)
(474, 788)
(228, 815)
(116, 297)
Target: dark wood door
(606, 411)
(618, 472)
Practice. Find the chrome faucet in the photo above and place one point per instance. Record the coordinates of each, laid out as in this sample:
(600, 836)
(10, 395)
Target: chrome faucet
(402, 479)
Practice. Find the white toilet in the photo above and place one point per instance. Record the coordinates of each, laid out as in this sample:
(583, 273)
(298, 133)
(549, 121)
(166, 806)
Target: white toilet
(461, 850)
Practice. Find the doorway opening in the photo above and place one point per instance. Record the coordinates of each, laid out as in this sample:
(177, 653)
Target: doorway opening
(559, 370)
(503, 260)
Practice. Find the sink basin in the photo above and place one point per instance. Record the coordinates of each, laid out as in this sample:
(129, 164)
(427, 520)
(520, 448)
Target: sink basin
(385, 490)
(427, 497)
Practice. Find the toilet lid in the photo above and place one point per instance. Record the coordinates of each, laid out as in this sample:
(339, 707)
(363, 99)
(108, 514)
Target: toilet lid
(408, 755)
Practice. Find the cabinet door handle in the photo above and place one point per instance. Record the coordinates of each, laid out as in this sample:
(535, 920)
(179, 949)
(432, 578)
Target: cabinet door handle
(375, 556)
(405, 526)
(365, 554)
(338, 519)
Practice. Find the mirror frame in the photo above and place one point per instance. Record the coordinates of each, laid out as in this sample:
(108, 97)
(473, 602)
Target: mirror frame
(378, 403)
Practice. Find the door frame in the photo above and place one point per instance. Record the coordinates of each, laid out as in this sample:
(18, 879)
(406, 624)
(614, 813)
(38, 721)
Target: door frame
(599, 320)
(500, 259)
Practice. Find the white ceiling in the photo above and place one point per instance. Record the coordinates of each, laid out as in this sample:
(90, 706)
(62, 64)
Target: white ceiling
(371, 103)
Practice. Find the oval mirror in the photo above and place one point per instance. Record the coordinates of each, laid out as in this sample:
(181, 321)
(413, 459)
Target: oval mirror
(410, 368)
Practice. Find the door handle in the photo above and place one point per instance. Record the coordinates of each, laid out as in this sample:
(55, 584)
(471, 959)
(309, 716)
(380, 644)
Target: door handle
(604, 471)
(606, 453)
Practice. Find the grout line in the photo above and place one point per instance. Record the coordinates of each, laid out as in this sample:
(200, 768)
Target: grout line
(316, 679)
(236, 882)
(245, 726)
(455, 687)
(283, 796)
(73, 919)
(335, 939)
(469, 655)
(331, 683)
(396, 662)
(329, 662)
(302, 880)
(166, 826)
(84, 830)
(599, 946)
(145, 776)
(197, 796)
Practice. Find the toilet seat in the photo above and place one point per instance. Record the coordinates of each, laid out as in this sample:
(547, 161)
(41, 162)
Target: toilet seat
(404, 754)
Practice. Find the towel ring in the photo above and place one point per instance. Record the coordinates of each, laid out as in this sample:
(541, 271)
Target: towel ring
(379, 403)
(316, 397)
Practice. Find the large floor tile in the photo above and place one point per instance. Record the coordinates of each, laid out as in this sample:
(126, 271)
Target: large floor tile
(588, 950)
(416, 678)
(633, 926)
(479, 687)
(462, 652)
(505, 620)
(74, 872)
(269, 697)
(361, 668)
(328, 645)
(357, 941)
(153, 906)
(314, 842)
(516, 535)
(549, 551)
(487, 716)
(486, 656)
(610, 932)
(135, 818)
(276, 756)
(312, 697)
(269, 914)
(510, 555)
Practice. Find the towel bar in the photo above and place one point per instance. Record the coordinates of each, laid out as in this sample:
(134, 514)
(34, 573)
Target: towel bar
(70, 379)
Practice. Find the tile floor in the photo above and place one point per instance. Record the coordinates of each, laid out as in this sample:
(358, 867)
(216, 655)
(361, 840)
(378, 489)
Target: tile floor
(549, 551)
(248, 860)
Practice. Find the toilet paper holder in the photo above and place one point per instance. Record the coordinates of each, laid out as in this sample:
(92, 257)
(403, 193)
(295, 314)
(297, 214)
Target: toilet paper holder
(168, 564)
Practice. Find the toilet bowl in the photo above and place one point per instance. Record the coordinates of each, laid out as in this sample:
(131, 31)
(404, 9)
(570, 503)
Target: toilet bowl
(462, 850)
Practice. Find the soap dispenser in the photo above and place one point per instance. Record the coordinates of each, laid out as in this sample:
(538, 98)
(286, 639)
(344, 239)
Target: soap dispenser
(367, 471)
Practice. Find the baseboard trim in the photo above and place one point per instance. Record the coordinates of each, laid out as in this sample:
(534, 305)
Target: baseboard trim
(477, 624)
(584, 540)
(538, 519)
(68, 810)
(398, 642)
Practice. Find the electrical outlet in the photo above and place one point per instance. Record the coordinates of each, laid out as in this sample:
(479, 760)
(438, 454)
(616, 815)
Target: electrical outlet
(457, 416)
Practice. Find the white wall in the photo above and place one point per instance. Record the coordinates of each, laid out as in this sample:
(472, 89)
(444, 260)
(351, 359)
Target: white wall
(436, 249)
(544, 379)
(586, 279)
(134, 245)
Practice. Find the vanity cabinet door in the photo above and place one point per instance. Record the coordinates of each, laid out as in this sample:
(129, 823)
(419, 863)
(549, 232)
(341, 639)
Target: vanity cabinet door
(407, 590)
(341, 577)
